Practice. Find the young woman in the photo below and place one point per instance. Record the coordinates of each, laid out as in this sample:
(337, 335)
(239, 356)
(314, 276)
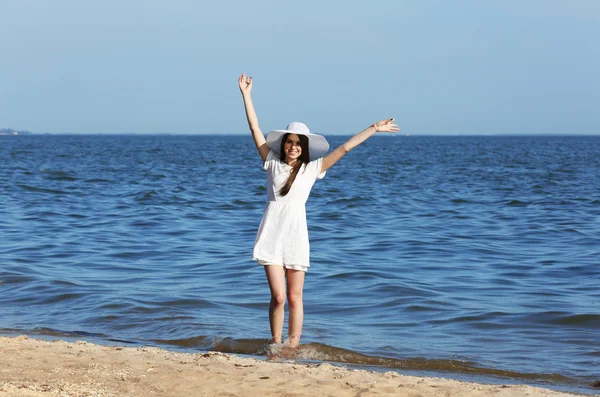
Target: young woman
(294, 159)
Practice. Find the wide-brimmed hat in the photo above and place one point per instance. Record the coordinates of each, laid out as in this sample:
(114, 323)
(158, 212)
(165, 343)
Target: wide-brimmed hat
(317, 144)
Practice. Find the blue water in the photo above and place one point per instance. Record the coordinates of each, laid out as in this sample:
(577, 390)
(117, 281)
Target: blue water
(458, 255)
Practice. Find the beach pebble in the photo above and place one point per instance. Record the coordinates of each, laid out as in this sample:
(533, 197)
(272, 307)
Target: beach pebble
(326, 366)
(215, 354)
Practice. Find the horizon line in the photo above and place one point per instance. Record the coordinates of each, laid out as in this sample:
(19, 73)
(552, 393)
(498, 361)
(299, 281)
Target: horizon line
(378, 135)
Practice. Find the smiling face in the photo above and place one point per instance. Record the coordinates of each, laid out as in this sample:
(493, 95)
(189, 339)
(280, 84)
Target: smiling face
(292, 148)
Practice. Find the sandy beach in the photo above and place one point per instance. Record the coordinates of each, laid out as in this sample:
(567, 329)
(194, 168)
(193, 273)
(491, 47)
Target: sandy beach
(32, 368)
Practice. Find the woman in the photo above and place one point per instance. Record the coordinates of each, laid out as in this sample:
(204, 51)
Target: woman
(293, 158)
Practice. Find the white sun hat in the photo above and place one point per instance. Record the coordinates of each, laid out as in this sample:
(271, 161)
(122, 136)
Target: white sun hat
(317, 144)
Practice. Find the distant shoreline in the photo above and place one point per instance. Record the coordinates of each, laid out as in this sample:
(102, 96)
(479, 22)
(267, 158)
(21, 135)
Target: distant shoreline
(10, 131)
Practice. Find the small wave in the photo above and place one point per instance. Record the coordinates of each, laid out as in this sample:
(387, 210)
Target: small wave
(143, 197)
(350, 202)
(98, 180)
(63, 283)
(197, 342)
(145, 223)
(563, 318)
(593, 354)
(53, 332)
(460, 201)
(326, 353)
(420, 308)
(190, 303)
(78, 216)
(15, 279)
(516, 203)
(580, 320)
(129, 255)
(343, 275)
(58, 175)
(244, 203)
(62, 298)
(332, 216)
(41, 190)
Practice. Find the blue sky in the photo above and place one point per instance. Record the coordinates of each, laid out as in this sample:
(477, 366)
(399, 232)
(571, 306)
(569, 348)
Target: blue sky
(439, 67)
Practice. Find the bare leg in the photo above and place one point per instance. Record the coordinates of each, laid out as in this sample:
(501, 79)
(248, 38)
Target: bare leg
(295, 283)
(276, 279)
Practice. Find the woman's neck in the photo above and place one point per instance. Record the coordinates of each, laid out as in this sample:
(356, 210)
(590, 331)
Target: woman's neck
(291, 162)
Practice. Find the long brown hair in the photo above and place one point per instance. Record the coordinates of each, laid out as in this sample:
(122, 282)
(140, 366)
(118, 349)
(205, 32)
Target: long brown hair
(303, 159)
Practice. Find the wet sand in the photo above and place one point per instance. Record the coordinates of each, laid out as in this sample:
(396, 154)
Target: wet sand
(38, 368)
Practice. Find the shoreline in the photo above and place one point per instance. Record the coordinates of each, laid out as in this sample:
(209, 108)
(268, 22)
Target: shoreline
(41, 368)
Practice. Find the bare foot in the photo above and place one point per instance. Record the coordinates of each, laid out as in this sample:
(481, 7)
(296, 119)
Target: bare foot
(273, 350)
(281, 351)
(292, 341)
(289, 352)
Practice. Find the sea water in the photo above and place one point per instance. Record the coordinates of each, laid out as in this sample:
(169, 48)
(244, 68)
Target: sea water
(457, 256)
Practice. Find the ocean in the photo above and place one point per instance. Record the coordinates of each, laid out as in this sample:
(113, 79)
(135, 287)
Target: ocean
(469, 257)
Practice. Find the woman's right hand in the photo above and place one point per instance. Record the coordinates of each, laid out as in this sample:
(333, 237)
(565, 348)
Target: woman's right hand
(386, 126)
(245, 84)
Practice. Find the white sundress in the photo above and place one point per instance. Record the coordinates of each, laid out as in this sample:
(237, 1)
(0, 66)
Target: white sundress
(282, 237)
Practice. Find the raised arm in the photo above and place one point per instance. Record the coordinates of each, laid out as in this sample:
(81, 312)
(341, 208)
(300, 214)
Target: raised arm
(380, 126)
(245, 84)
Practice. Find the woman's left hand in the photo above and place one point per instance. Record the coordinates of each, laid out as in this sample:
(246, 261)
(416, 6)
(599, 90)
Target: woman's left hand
(386, 126)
